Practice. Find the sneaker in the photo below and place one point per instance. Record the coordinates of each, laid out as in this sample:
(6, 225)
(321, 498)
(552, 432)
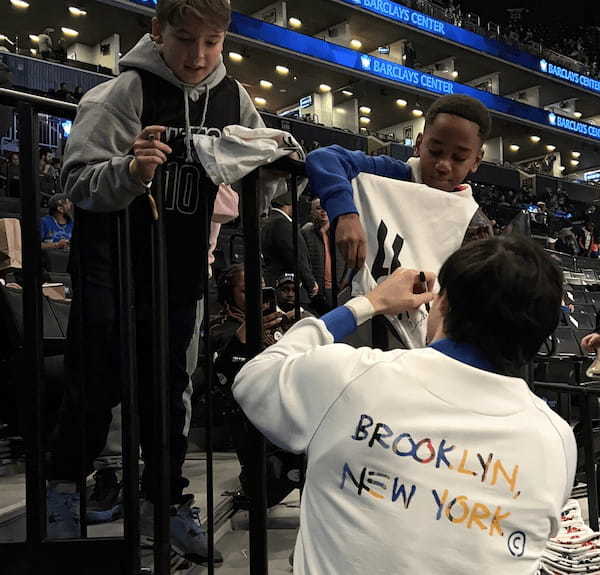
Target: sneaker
(104, 502)
(188, 538)
(62, 520)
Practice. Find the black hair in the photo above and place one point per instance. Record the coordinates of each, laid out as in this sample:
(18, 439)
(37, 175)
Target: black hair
(464, 107)
(282, 200)
(55, 202)
(504, 297)
(226, 283)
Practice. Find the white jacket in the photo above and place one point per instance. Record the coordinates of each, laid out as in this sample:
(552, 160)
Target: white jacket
(418, 463)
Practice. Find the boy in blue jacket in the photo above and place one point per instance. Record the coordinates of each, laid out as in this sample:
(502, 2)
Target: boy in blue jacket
(449, 149)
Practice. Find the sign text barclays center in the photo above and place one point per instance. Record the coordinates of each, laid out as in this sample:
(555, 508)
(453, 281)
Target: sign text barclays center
(570, 76)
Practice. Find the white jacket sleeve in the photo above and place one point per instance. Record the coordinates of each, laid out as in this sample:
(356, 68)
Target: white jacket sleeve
(287, 389)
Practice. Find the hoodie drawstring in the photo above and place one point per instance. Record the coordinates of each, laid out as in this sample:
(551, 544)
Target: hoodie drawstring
(188, 128)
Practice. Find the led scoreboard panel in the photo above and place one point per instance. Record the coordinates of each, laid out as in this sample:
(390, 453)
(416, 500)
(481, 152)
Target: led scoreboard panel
(295, 42)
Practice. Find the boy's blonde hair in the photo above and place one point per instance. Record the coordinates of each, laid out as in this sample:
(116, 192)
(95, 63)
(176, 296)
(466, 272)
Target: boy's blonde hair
(214, 13)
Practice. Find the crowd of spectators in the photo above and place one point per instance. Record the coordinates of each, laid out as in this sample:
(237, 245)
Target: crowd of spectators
(49, 171)
(551, 42)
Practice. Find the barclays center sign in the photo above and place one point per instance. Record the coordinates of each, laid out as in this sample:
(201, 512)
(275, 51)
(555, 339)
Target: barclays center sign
(569, 75)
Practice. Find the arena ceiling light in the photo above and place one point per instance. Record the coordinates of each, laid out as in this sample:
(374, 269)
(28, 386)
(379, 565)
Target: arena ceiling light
(75, 11)
(577, 114)
(21, 4)
(455, 74)
(282, 70)
(340, 111)
(295, 23)
(561, 168)
(324, 88)
(574, 162)
(347, 93)
(260, 101)
(4, 38)
(69, 32)
(550, 148)
(33, 51)
(355, 44)
(265, 84)
(235, 57)
(514, 148)
(535, 139)
(417, 111)
(401, 103)
(364, 120)
(365, 110)
(35, 39)
(576, 155)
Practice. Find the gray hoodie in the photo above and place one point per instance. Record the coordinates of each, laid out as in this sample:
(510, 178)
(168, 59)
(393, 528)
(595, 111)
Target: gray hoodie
(96, 174)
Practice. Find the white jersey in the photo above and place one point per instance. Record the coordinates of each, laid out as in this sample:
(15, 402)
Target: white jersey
(408, 225)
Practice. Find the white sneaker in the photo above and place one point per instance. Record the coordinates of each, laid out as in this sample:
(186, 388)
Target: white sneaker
(188, 538)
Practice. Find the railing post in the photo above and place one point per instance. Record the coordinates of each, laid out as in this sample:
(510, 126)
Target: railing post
(33, 327)
(130, 412)
(160, 344)
(254, 338)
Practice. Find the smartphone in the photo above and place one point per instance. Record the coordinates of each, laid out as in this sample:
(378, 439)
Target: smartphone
(269, 298)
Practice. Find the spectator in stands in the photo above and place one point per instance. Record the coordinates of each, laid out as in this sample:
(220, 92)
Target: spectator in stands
(449, 149)
(57, 226)
(228, 335)
(286, 296)
(566, 242)
(77, 94)
(386, 465)
(60, 50)
(410, 54)
(316, 236)
(278, 246)
(175, 76)
(5, 75)
(13, 175)
(585, 237)
(45, 44)
(63, 93)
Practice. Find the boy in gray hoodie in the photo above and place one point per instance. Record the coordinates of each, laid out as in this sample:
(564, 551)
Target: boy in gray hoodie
(173, 84)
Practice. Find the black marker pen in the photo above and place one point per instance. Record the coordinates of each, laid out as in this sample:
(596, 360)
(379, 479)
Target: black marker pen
(424, 286)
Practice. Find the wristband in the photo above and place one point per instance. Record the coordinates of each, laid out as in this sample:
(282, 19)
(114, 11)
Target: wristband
(361, 308)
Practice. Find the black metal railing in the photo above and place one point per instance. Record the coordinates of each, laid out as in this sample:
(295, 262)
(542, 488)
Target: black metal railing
(589, 394)
(122, 554)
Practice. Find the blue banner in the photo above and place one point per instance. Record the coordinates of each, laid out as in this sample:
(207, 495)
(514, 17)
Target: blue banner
(443, 29)
(399, 13)
(378, 67)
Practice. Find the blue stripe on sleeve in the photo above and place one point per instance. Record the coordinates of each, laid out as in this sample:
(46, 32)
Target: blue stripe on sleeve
(340, 322)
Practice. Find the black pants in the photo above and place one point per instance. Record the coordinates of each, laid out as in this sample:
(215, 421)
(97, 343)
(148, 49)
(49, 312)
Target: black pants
(92, 362)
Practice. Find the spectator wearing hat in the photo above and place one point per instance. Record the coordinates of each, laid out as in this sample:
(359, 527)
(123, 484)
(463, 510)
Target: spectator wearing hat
(57, 226)
(278, 247)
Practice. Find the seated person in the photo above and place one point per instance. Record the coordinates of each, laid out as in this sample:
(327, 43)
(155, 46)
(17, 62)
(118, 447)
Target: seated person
(57, 226)
(228, 339)
(437, 460)
(286, 296)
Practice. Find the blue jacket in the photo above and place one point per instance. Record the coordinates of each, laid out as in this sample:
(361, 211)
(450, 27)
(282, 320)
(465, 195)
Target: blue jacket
(331, 171)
